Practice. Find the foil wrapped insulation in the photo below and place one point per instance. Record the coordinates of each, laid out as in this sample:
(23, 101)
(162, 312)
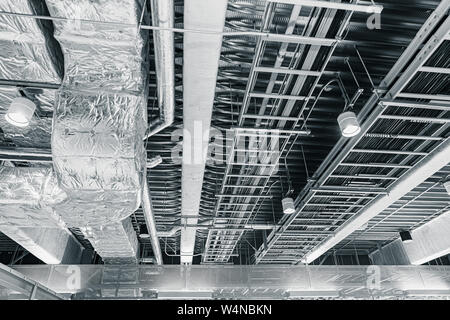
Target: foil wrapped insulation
(50, 245)
(29, 51)
(100, 120)
(37, 133)
(116, 243)
(99, 155)
(29, 197)
(103, 47)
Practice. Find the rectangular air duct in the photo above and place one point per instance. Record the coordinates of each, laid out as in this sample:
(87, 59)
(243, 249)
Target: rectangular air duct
(100, 119)
(28, 198)
(29, 51)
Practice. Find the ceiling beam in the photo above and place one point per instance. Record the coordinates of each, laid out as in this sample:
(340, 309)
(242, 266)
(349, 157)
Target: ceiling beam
(201, 62)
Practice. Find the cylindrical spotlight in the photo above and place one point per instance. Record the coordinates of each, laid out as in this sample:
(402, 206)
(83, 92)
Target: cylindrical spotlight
(288, 205)
(348, 123)
(405, 236)
(20, 112)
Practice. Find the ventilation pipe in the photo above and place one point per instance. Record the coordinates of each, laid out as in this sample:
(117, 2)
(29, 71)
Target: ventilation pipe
(150, 222)
(28, 197)
(432, 163)
(100, 120)
(162, 16)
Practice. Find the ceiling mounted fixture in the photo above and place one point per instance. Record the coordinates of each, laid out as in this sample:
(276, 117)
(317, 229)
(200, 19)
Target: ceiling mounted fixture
(143, 232)
(288, 205)
(348, 123)
(405, 236)
(20, 112)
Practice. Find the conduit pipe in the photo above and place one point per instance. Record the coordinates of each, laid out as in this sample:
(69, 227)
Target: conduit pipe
(162, 16)
(150, 220)
(208, 224)
(432, 163)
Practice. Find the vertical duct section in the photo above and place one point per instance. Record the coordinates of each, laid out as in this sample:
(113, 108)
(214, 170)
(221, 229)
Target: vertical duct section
(201, 62)
(100, 120)
(28, 197)
(28, 50)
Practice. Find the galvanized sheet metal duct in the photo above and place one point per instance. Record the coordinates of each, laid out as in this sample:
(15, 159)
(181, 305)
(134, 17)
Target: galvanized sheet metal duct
(100, 120)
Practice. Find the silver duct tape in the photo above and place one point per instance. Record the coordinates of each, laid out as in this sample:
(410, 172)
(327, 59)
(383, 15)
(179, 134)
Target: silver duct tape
(28, 197)
(116, 243)
(28, 48)
(120, 18)
(38, 133)
(99, 155)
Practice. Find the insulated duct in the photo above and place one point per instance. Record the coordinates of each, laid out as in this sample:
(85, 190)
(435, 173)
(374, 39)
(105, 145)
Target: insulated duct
(116, 243)
(29, 51)
(162, 16)
(28, 198)
(100, 120)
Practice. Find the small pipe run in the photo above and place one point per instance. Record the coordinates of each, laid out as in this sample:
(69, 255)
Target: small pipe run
(162, 16)
(150, 220)
(207, 225)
